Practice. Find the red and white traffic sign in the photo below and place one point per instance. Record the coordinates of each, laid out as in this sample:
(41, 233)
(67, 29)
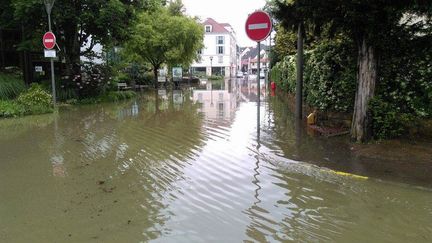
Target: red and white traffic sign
(258, 26)
(49, 40)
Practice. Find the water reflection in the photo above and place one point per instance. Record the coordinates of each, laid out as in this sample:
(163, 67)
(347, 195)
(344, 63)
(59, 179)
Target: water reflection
(219, 100)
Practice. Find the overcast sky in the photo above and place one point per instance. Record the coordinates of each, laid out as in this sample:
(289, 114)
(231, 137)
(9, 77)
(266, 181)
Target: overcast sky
(234, 12)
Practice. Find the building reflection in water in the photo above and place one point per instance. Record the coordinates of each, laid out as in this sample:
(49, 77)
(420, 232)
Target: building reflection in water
(219, 99)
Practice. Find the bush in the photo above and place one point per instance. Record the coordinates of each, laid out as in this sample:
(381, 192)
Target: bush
(114, 96)
(11, 109)
(329, 76)
(284, 74)
(387, 119)
(111, 96)
(10, 86)
(215, 77)
(36, 100)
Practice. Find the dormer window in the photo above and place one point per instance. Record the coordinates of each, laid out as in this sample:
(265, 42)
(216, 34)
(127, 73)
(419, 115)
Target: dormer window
(208, 28)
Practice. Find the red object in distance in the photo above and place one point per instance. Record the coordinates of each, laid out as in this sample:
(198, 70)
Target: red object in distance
(273, 86)
(258, 26)
(49, 40)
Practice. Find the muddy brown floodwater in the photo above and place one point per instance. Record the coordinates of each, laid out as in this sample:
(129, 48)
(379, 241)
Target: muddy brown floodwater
(188, 166)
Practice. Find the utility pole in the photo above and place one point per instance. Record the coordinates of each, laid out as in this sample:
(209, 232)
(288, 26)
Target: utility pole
(48, 6)
(299, 84)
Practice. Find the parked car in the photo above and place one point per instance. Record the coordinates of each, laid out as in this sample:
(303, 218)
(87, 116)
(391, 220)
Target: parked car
(239, 74)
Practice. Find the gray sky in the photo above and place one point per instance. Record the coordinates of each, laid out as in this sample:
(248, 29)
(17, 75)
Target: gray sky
(234, 12)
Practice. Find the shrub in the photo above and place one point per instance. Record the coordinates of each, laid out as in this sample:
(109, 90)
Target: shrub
(215, 77)
(36, 100)
(114, 96)
(11, 109)
(93, 81)
(284, 74)
(110, 96)
(329, 76)
(10, 86)
(387, 119)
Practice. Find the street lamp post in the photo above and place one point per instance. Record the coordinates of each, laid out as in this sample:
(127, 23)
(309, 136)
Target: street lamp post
(211, 65)
(48, 6)
(211, 82)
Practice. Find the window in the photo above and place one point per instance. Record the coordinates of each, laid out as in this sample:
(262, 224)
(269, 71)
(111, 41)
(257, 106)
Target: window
(208, 28)
(200, 52)
(219, 50)
(220, 40)
(220, 59)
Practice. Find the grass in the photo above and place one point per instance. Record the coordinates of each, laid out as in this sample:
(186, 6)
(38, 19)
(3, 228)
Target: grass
(10, 86)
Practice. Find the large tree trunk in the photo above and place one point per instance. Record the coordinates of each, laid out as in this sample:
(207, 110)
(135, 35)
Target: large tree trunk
(366, 79)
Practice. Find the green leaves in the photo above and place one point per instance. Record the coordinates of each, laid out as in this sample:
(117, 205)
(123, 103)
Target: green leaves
(161, 38)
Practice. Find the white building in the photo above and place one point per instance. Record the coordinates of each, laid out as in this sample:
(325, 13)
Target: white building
(219, 55)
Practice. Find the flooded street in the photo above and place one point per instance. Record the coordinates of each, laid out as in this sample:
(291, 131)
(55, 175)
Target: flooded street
(189, 166)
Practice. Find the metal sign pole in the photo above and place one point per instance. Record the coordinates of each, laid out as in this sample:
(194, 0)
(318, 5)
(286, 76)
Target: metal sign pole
(49, 6)
(259, 88)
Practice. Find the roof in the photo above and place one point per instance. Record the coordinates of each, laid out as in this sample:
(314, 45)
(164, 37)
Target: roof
(253, 52)
(217, 27)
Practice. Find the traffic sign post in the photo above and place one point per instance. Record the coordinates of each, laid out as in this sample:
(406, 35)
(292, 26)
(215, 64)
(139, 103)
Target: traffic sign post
(258, 27)
(49, 42)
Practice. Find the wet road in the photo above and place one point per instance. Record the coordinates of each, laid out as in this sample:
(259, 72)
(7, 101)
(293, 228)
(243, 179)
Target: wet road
(188, 166)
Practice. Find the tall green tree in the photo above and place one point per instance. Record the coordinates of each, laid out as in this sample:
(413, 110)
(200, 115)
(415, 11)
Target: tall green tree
(367, 22)
(80, 24)
(161, 38)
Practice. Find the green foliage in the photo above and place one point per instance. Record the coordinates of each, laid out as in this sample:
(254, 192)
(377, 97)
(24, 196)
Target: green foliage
(10, 108)
(330, 76)
(95, 79)
(284, 74)
(10, 86)
(160, 38)
(110, 96)
(406, 74)
(215, 77)
(35, 100)
(387, 119)
(115, 96)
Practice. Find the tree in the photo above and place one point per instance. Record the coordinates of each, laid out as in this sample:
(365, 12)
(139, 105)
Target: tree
(80, 25)
(367, 22)
(161, 38)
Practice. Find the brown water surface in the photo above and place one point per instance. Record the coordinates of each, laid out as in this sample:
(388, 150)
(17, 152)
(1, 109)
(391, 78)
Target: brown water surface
(189, 167)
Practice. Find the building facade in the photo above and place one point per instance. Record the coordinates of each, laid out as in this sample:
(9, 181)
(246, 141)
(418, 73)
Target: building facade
(249, 59)
(219, 55)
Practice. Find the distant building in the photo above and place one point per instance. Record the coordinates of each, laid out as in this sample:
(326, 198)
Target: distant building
(219, 55)
(249, 59)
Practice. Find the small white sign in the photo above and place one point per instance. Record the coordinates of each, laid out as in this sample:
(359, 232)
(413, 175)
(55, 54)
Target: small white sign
(177, 74)
(50, 53)
(38, 69)
(162, 75)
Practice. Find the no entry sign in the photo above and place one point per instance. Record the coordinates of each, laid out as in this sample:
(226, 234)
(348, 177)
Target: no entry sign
(49, 40)
(258, 26)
